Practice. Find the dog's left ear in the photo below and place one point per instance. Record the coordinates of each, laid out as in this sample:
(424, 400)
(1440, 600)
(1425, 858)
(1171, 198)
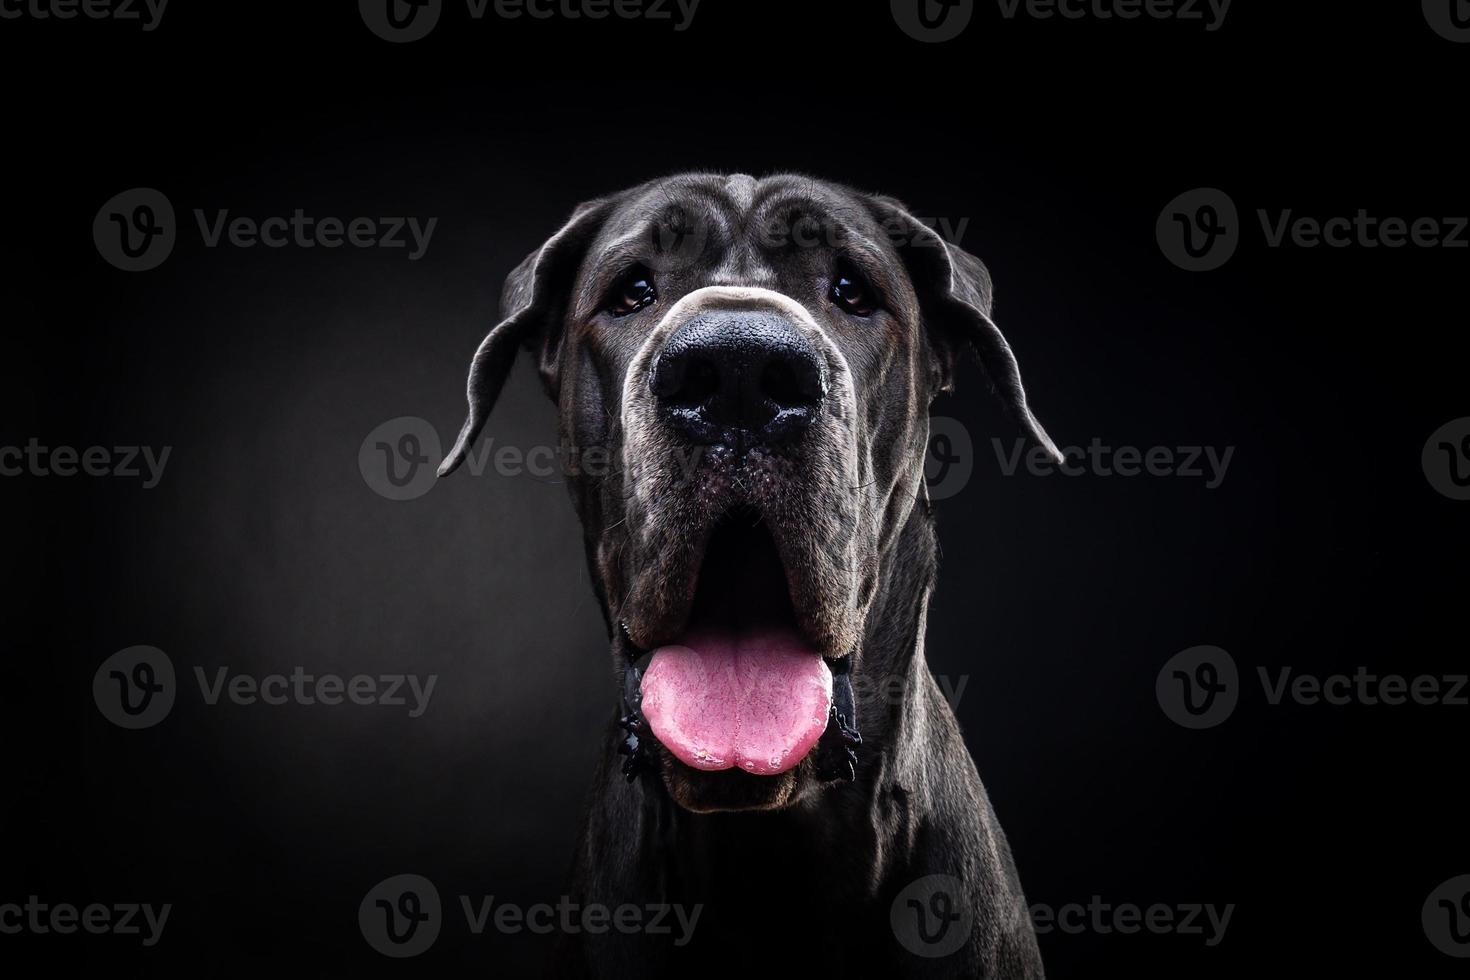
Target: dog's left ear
(955, 296)
(532, 300)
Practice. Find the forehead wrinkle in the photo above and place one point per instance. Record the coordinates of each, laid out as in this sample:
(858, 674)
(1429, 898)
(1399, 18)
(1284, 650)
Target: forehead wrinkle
(742, 267)
(699, 203)
(871, 258)
(634, 227)
(791, 189)
(829, 211)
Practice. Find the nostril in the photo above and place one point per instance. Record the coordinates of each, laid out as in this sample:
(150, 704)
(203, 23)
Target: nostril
(667, 376)
(791, 382)
(701, 383)
(778, 382)
(681, 381)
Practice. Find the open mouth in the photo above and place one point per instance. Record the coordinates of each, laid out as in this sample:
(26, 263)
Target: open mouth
(743, 689)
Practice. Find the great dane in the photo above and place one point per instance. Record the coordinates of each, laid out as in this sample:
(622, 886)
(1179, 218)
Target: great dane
(757, 357)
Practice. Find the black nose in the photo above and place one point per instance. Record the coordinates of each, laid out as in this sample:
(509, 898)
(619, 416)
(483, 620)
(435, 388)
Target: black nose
(739, 377)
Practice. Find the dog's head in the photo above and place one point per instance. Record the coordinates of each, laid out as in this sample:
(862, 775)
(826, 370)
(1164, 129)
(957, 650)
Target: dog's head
(756, 359)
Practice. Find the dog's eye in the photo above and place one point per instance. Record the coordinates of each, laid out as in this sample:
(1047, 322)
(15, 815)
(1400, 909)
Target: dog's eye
(852, 292)
(632, 293)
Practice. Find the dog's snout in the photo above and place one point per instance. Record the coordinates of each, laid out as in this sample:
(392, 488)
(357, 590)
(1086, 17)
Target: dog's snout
(739, 377)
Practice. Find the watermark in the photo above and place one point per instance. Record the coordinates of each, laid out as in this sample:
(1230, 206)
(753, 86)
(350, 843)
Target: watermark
(408, 691)
(403, 915)
(301, 230)
(893, 689)
(1200, 229)
(402, 21)
(1283, 227)
(932, 21)
(399, 460)
(1207, 463)
(932, 918)
(1210, 13)
(144, 463)
(137, 230)
(1206, 921)
(950, 460)
(935, 21)
(1450, 19)
(677, 238)
(137, 687)
(1446, 459)
(1363, 687)
(147, 13)
(1200, 688)
(1446, 917)
(949, 457)
(39, 918)
(655, 919)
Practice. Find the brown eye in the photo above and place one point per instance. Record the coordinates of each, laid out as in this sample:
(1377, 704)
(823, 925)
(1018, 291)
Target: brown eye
(852, 292)
(632, 293)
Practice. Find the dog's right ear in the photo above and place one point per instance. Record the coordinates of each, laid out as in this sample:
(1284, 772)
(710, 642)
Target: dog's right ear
(959, 288)
(533, 298)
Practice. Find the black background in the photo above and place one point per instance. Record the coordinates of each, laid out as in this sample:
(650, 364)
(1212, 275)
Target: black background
(1060, 599)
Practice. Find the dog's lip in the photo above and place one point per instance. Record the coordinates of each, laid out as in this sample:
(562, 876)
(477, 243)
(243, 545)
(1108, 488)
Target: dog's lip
(727, 790)
(633, 651)
(640, 637)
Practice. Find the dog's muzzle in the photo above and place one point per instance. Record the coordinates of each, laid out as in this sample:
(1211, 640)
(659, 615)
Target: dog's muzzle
(739, 563)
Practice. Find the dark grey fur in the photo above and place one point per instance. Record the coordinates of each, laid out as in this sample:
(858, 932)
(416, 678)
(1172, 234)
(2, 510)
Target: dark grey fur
(793, 873)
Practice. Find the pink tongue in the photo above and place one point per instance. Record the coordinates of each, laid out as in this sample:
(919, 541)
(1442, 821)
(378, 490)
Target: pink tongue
(758, 700)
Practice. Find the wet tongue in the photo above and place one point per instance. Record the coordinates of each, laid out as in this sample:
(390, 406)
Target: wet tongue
(757, 699)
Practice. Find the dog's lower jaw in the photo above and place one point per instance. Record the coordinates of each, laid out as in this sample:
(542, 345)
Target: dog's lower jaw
(835, 857)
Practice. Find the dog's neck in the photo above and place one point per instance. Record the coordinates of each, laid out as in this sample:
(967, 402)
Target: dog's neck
(891, 674)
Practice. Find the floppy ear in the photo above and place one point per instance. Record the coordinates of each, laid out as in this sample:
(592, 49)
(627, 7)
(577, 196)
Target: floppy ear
(533, 297)
(955, 297)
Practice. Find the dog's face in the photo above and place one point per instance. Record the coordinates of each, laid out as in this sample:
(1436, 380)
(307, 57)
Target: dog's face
(756, 360)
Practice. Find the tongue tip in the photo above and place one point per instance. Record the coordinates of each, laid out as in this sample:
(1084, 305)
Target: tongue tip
(706, 761)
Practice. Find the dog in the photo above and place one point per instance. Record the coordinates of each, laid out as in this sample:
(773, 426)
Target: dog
(757, 357)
